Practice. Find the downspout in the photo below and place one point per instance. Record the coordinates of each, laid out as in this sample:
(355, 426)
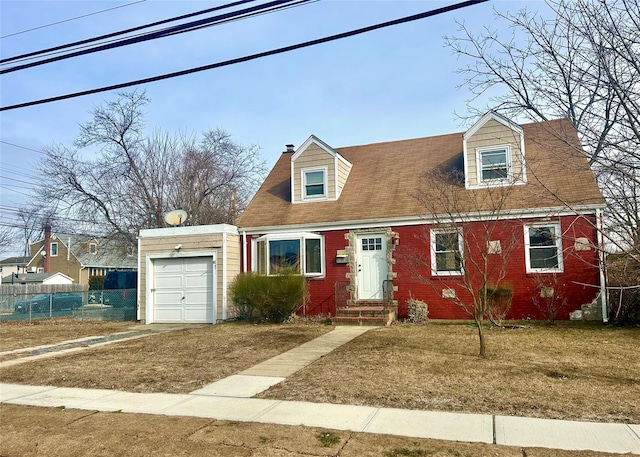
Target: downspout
(224, 275)
(601, 261)
(68, 249)
(139, 291)
(244, 251)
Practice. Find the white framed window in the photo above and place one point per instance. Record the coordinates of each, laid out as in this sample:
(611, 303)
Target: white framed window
(53, 248)
(543, 248)
(446, 252)
(93, 248)
(314, 183)
(302, 252)
(494, 164)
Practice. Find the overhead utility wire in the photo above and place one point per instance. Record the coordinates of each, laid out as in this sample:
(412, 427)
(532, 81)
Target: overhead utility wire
(123, 32)
(291, 4)
(70, 19)
(250, 57)
(152, 35)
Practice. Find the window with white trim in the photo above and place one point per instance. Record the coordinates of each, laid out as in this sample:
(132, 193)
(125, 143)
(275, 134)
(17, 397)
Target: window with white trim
(493, 164)
(93, 248)
(446, 252)
(543, 248)
(54, 249)
(302, 252)
(314, 183)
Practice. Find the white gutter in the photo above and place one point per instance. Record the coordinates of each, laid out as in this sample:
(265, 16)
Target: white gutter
(421, 220)
(601, 261)
(139, 291)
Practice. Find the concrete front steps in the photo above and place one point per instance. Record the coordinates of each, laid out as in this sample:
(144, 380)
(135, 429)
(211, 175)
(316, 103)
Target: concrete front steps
(366, 313)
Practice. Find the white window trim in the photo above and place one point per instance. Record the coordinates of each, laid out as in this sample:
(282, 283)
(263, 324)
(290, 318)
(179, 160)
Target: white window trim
(51, 249)
(303, 187)
(432, 242)
(493, 182)
(93, 248)
(301, 236)
(527, 254)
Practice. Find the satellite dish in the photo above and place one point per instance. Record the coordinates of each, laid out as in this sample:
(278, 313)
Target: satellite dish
(176, 217)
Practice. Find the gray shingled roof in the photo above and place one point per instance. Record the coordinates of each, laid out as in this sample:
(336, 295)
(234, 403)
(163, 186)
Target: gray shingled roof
(110, 253)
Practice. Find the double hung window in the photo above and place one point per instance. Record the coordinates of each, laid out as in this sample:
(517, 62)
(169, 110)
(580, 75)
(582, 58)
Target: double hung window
(493, 165)
(543, 248)
(446, 252)
(314, 183)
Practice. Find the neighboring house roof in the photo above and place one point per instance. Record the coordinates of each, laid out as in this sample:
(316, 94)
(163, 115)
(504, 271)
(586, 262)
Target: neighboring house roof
(20, 261)
(37, 278)
(109, 253)
(385, 176)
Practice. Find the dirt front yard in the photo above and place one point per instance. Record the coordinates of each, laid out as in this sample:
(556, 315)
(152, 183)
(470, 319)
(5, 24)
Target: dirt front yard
(52, 432)
(568, 371)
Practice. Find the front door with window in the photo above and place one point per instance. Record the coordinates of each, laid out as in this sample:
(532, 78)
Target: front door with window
(372, 266)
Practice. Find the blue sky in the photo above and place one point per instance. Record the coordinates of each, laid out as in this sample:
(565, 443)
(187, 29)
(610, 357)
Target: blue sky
(390, 84)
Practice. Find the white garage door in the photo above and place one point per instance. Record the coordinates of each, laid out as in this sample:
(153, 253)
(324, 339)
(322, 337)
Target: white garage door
(184, 290)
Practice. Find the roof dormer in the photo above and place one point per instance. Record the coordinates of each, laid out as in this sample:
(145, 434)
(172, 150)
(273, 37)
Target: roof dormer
(318, 172)
(494, 153)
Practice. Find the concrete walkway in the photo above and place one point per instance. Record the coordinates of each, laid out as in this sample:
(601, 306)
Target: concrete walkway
(229, 399)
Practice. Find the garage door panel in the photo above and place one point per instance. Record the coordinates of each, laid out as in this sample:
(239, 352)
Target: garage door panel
(167, 265)
(168, 298)
(184, 289)
(197, 315)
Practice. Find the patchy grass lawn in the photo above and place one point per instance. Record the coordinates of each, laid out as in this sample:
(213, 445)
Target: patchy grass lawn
(577, 372)
(24, 334)
(30, 431)
(179, 361)
(567, 371)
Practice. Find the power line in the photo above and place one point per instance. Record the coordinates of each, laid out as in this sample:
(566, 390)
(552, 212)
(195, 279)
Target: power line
(183, 28)
(123, 32)
(23, 147)
(250, 57)
(70, 19)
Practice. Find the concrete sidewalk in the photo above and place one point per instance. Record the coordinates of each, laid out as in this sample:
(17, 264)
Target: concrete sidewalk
(511, 431)
(229, 399)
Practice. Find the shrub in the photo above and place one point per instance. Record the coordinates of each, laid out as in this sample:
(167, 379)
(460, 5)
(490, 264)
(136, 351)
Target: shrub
(418, 311)
(261, 298)
(498, 302)
(96, 282)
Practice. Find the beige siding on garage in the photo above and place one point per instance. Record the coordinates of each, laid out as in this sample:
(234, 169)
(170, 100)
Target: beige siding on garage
(192, 243)
(493, 133)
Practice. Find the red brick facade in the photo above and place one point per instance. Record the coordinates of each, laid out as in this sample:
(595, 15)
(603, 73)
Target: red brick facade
(580, 267)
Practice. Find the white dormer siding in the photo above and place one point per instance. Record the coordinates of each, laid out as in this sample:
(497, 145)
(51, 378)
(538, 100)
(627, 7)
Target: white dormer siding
(494, 153)
(318, 172)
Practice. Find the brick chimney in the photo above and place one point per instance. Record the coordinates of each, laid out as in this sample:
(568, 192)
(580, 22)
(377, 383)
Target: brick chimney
(47, 247)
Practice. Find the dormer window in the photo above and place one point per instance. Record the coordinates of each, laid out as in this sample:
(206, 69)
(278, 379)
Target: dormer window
(493, 152)
(315, 183)
(93, 248)
(494, 164)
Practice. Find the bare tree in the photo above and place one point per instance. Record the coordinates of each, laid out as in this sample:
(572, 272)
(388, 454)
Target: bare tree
(470, 242)
(133, 179)
(583, 64)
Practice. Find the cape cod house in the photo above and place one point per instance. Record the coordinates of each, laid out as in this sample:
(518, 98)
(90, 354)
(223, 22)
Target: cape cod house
(79, 256)
(354, 219)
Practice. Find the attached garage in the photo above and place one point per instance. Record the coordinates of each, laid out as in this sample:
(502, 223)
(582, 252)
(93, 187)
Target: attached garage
(184, 273)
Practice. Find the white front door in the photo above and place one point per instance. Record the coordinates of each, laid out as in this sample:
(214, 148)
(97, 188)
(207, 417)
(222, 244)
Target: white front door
(372, 265)
(184, 290)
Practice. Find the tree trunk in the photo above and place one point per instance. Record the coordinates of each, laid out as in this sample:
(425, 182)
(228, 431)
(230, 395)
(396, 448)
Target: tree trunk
(481, 337)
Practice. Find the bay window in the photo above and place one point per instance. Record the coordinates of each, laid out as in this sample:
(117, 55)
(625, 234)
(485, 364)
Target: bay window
(300, 252)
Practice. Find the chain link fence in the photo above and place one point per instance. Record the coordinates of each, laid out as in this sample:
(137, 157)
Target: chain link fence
(30, 302)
